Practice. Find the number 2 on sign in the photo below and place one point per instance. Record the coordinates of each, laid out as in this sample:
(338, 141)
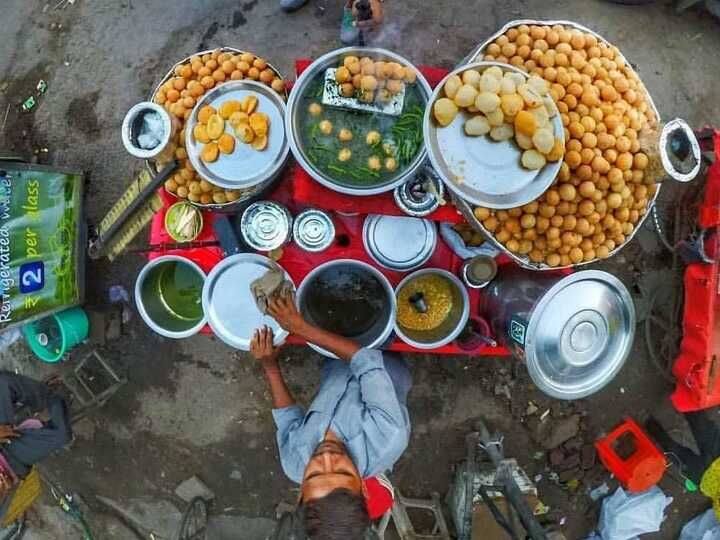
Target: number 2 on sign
(32, 277)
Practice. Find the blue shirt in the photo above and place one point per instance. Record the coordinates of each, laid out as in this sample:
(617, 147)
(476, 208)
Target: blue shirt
(358, 402)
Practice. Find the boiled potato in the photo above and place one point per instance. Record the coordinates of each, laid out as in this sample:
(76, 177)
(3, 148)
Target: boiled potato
(373, 138)
(374, 163)
(465, 96)
(260, 142)
(200, 133)
(511, 104)
(477, 125)
(326, 127)
(245, 133)
(445, 111)
(239, 117)
(494, 71)
(531, 97)
(507, 86)
(526, 123)
(260, 123)
(495, 118)
(345, 135)
(489, 83)
(249, 104)
(226, 143)
(532, 159)
(205, 113)
(543, 140)
(210, 152)
(523, 141)
(215, 126)
(502, 132)
(471, 77)
(228, 108)
(452, 85)
(487, 102)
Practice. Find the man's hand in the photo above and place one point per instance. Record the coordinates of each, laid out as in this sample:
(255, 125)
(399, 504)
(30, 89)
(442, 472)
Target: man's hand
(283, 310)
(263, 349)
(377, 16)
(7, 433)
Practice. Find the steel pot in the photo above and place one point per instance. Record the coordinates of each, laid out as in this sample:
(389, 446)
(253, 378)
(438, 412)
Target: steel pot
(161, 304)
(349, 282)
(453, 324)
(574, 332)
(294, 117)
(683, 176)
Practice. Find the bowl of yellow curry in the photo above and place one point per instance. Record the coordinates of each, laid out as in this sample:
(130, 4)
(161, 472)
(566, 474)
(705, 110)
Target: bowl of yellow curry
(433, 307)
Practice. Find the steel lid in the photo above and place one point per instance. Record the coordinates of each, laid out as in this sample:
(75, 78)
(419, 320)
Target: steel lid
(580, 334)
(313, 230)
(229, 304)
(266, 225)
(399, 243)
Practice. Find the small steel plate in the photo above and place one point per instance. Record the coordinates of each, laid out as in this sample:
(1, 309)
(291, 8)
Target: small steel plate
(399, 243)
(478, 169)
(230, 306)
(245, 167)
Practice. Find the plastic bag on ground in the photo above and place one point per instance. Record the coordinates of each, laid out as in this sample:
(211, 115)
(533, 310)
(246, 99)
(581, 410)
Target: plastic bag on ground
(703, 527)
(625, 516)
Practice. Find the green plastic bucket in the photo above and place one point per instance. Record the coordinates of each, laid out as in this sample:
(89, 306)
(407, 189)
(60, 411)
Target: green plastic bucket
(50, 338)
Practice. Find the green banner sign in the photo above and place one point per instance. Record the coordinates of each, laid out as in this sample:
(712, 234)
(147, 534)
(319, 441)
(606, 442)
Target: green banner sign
(40, 239)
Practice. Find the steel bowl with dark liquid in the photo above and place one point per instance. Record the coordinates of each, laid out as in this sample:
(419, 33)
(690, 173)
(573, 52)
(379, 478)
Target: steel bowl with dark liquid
(349, 298)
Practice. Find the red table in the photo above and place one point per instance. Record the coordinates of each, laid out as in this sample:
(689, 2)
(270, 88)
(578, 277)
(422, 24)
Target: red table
(297, 190)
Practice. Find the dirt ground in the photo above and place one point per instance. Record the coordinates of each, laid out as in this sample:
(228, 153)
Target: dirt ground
(197, 407)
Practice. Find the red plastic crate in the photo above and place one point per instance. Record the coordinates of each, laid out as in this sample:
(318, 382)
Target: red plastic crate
(696, 367)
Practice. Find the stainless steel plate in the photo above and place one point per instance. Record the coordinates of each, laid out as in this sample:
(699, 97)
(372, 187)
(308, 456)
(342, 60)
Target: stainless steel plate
(230, 306)
(399, 243)
(478, 169)
(245, 167)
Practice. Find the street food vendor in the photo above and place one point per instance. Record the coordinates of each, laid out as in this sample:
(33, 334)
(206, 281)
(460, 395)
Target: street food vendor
(356, 427)
(25, 443)
(353, 21)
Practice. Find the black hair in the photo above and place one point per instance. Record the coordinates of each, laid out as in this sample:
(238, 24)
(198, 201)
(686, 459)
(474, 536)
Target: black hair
(340, 515)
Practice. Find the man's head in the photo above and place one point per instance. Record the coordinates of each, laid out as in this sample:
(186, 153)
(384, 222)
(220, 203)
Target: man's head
(332, 495)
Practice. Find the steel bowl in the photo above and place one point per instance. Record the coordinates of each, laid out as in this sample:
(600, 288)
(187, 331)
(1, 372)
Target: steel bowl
(246, 195)
(465, 209)
(380, 331)
(451, 327)
(154, 310)
(294, 118)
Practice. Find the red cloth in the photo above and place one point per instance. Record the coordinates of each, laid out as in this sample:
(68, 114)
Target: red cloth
(379, 497)
(698, 386)
(308, 191)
